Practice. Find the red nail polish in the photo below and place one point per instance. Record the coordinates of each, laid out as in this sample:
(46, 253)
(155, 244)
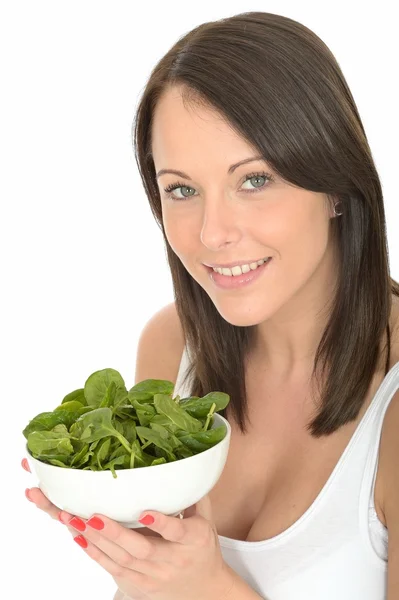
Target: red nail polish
(77, 523)
(96, 523)
(27, 495)
(147, 520)
(79, 539)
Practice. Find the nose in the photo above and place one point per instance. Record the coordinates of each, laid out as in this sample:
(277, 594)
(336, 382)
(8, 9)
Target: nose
(220, 224)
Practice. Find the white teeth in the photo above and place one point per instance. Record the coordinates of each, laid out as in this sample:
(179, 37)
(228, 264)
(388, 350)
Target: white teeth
(239, 270)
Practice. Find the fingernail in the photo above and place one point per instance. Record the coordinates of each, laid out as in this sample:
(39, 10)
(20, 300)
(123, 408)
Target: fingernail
(79, 539)
(59, 518)
(25, 465)
(147, 520)
(96, 523)
(77, 523)
(27, 495)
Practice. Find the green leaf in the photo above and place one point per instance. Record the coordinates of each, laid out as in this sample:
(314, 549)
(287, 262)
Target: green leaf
(200, 407)
(81, 457)
(96, 386)
(47, 420)
(78, 395)
(159, 461)
(41, 442)
(97, 424)
(110, 395)
(61, 428)
(73, 405)
(153, 386)
(198, 442)
(166, 406)
(103, 451)
(140, 396)
(147, 434)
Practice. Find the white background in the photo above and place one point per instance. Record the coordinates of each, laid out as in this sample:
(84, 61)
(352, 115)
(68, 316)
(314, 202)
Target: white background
(83, 262)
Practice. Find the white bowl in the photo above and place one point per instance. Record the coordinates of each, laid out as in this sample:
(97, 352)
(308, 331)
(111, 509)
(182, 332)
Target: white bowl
(168, 488)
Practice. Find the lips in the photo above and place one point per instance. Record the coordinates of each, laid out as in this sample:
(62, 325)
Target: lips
(238, 263)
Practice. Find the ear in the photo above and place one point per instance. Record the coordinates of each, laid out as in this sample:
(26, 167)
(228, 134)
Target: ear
(331, 202)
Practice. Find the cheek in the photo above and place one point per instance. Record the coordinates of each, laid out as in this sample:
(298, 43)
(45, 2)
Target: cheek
(179, 234)
(305, 243)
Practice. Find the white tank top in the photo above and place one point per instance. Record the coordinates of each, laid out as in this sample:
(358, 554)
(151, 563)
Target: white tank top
(338, 549)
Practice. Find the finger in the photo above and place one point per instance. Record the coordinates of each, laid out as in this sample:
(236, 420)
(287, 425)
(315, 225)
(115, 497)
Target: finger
(144, 551)
(123, 546)
(45, 504)
(147, 532)
(194, 530)
(48, 507)
(67, 516)
(25, 465)
(118, 571)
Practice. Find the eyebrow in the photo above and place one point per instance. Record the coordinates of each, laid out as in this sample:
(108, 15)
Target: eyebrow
(231, 168)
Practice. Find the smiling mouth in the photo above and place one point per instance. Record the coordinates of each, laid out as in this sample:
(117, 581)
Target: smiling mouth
(239, 270)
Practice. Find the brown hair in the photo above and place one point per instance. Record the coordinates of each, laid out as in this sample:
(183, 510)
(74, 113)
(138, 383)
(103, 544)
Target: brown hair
(299, 113)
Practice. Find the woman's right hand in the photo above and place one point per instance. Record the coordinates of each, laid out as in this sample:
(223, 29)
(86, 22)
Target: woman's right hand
(36, 495)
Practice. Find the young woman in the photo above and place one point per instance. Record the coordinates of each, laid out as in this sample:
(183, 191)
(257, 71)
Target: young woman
(257, 168)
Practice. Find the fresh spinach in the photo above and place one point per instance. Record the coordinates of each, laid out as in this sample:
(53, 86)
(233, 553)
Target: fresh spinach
(103, 426)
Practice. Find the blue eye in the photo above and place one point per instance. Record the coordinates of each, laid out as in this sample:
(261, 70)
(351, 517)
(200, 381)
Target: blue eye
(179, 185)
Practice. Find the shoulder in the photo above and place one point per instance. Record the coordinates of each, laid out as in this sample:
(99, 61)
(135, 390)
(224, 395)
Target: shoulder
(389, 449)
(160, 346)
(389, 444)
(389, 455)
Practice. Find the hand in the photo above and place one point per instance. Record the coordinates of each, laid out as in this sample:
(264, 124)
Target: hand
(180, 560)
(185, 563)
(41, 501)
(36, 495)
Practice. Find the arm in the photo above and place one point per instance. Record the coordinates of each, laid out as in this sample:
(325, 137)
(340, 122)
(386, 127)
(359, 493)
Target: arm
(389, 460)
(240, 590)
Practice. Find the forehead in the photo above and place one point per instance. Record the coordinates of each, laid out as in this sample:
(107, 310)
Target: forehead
(193, 134)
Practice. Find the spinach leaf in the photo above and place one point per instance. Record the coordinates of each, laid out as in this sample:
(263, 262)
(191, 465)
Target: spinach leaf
(97, 424)
(200, 407)
(96, 387)
(41, 441)
(78, 395)
(165, 405)
(153, 386)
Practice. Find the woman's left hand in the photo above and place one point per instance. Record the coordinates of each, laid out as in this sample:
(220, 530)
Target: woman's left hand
(185, 563)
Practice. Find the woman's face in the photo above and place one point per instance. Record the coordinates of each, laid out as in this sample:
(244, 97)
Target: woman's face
(214, 217)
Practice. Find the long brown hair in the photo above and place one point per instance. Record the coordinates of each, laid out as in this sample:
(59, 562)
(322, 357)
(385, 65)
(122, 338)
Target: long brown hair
(301, 116)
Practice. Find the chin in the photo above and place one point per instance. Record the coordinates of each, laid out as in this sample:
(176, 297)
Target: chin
(241, 316)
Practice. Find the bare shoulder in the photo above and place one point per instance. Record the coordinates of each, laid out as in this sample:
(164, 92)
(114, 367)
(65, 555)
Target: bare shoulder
(389, 446)
(160, 346)
(395, 329)
(389, 451)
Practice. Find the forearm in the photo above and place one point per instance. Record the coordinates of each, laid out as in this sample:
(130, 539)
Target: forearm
(240, 590)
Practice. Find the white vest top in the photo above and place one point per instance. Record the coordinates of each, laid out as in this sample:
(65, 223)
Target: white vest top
(337, 550)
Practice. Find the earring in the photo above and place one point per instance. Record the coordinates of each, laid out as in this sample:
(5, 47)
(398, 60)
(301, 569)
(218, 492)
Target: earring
(337, 214)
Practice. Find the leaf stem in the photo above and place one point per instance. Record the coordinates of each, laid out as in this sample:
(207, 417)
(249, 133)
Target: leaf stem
(124, 442)
(209, 416)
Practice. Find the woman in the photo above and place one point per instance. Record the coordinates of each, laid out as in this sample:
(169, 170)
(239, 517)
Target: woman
(300, 328)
